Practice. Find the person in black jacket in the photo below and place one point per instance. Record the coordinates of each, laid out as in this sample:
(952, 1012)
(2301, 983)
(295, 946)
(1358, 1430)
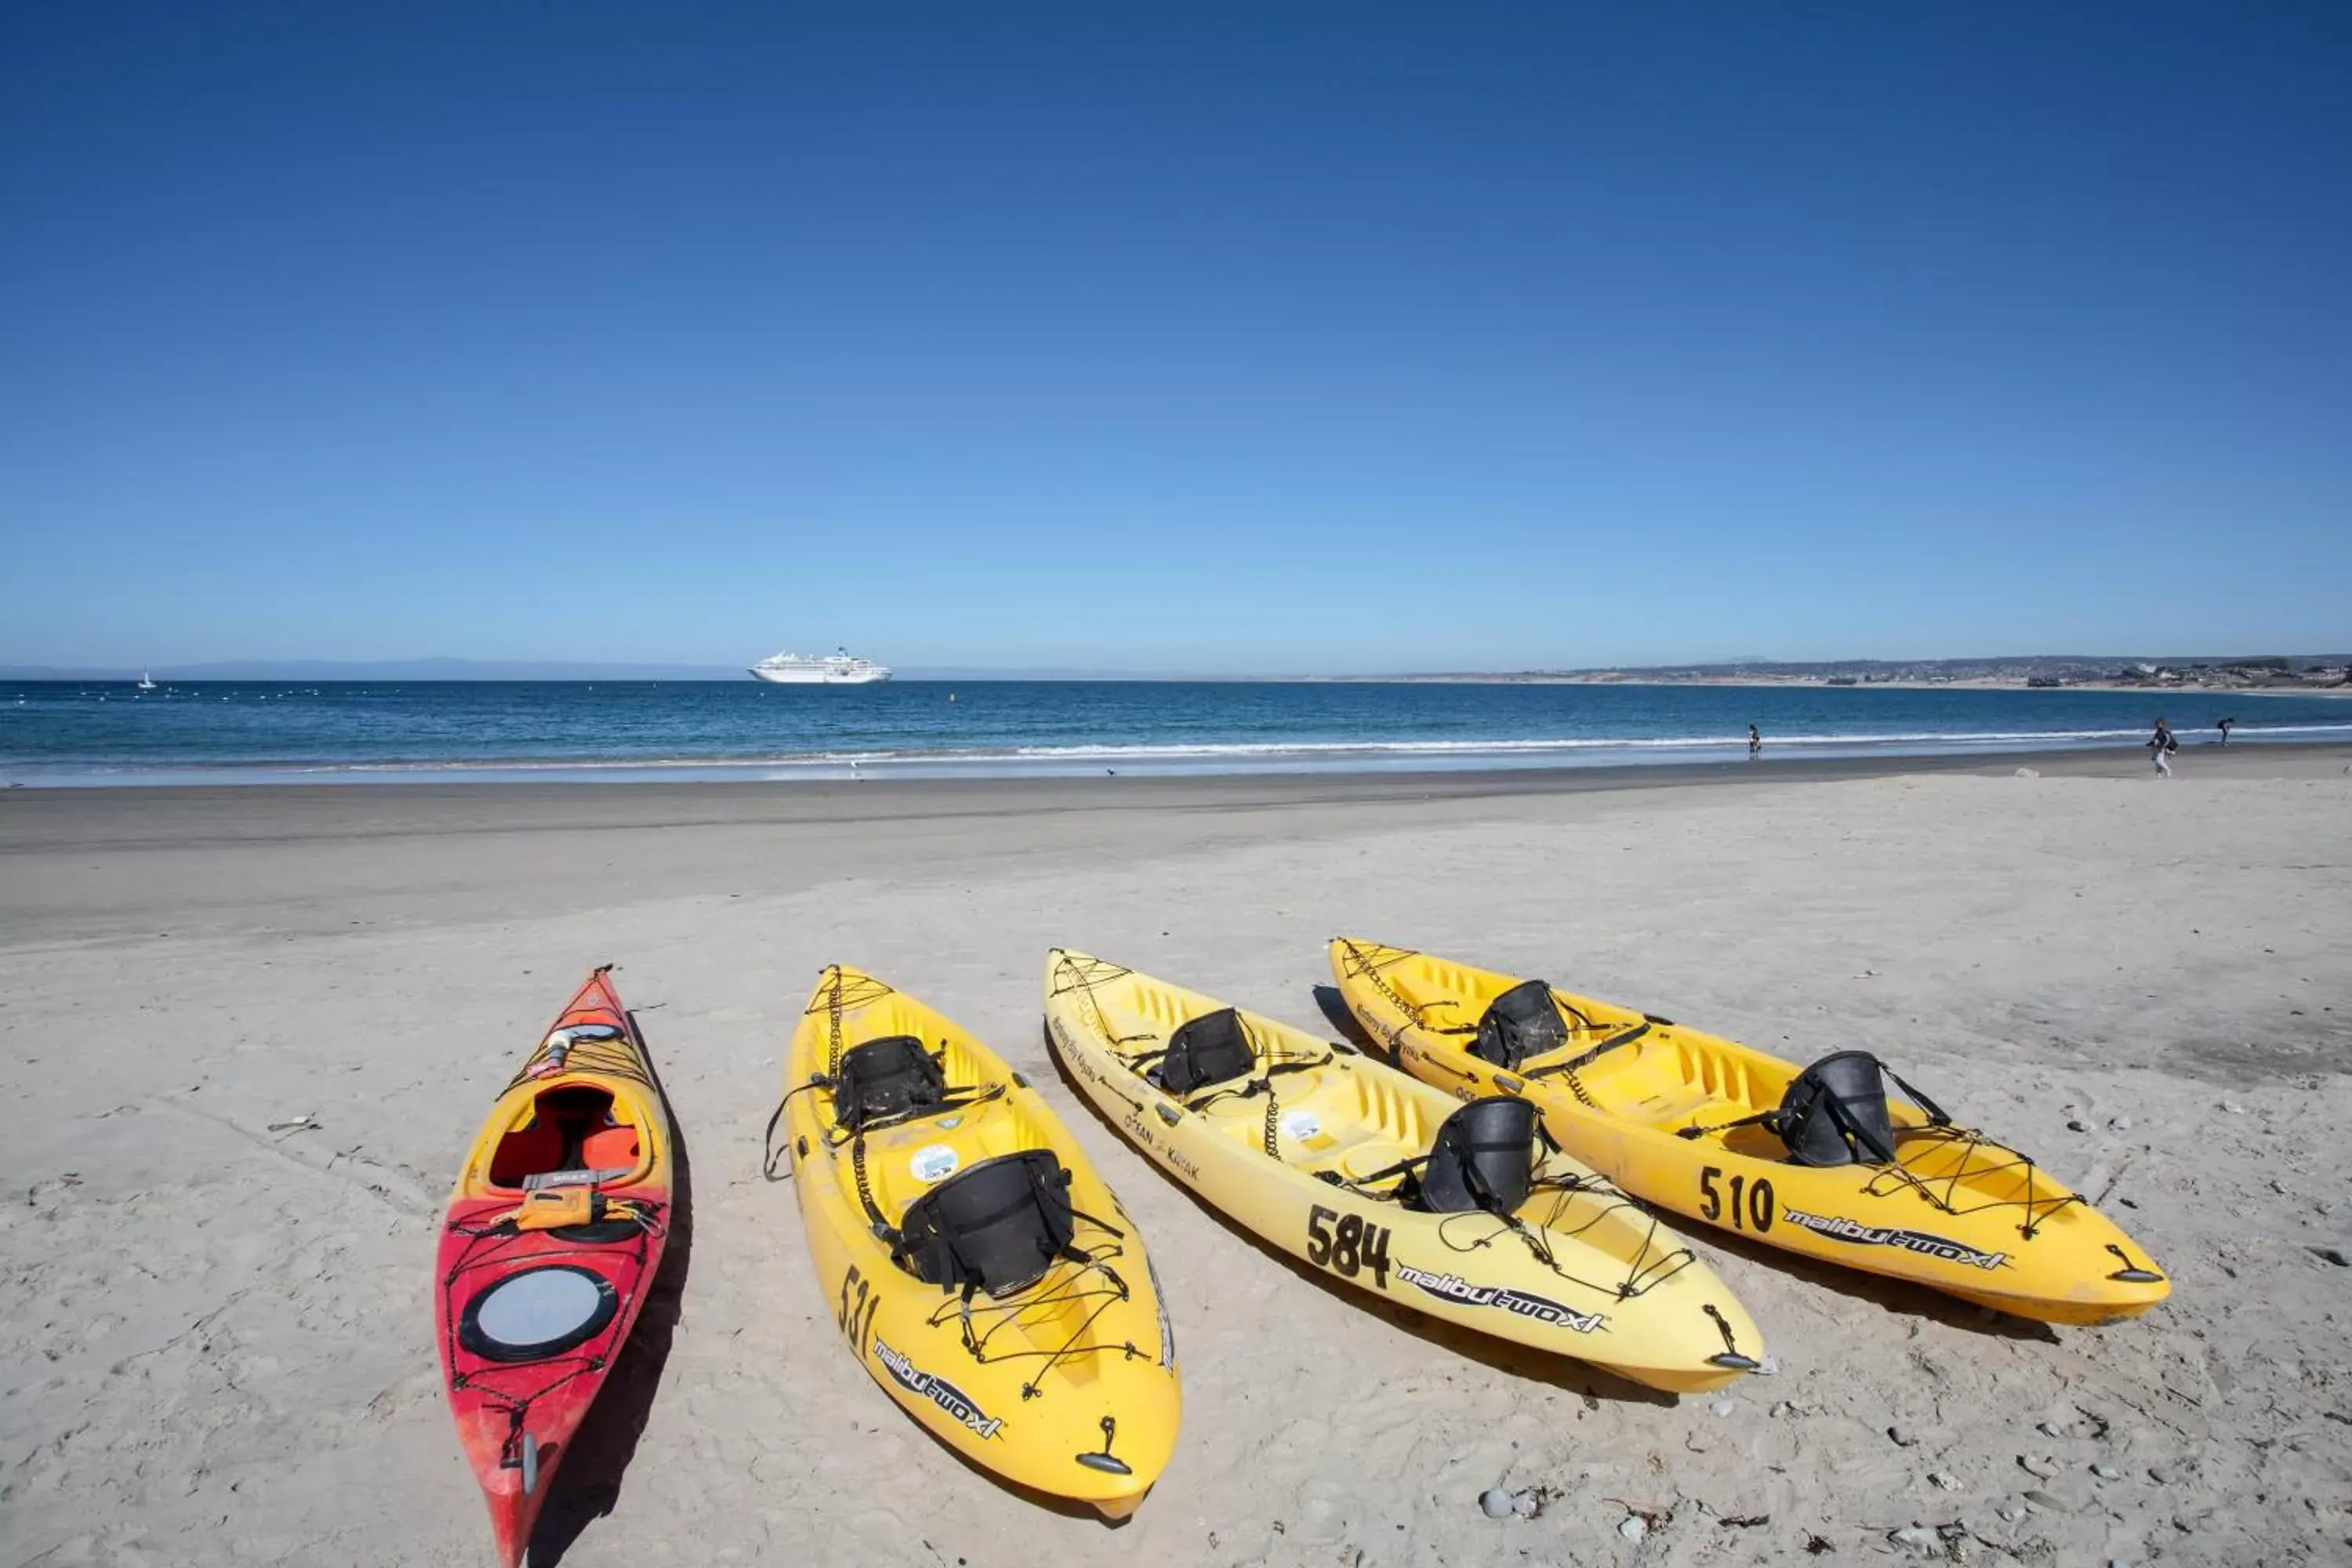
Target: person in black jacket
(2160, 746)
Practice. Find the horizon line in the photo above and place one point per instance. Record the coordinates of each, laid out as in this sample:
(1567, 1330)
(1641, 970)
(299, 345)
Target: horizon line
(458, 669)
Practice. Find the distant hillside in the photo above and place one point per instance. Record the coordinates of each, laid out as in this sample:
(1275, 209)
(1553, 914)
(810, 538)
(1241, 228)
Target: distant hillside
(2055, 669)
(2285, 670)
(1999, 665)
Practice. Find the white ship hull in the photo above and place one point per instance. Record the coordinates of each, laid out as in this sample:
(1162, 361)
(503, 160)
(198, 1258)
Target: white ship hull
(818, 676)
(838, 669)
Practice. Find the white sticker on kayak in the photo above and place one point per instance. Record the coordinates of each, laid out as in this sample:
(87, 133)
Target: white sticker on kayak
(934, 1162)
(1301, 1125)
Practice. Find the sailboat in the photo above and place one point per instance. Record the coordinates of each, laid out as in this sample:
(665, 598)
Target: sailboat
(146, 681)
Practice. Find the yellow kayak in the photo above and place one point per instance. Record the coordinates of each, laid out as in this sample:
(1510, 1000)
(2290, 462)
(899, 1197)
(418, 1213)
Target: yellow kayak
(1821, 1161)
(1389, 1185)
(978, 1269)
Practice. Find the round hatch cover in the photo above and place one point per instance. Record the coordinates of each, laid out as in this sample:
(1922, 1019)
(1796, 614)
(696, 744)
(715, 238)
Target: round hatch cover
(538, 1313)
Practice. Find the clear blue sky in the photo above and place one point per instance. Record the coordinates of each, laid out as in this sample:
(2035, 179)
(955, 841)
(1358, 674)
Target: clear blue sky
(1262, 338)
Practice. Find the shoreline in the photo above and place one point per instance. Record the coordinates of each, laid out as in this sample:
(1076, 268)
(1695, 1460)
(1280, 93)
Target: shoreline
(1542, 760)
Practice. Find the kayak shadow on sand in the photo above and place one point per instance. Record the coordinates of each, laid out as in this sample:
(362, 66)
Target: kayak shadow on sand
(1898, 1298)
(1562, 1372)
(589, 1485)
(1896, 1295)
(1336, 1014)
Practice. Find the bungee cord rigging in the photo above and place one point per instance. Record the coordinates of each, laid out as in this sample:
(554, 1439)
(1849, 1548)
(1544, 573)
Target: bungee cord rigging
(1051, 1294)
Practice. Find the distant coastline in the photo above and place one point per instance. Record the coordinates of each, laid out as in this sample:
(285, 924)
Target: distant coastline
(2307, 675)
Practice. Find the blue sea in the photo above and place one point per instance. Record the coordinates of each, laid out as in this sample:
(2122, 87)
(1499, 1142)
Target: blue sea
(68, 732)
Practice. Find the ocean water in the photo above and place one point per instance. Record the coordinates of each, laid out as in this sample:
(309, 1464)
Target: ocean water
(67, 732)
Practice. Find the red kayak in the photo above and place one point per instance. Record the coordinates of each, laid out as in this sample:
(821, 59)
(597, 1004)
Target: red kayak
(553, 1239)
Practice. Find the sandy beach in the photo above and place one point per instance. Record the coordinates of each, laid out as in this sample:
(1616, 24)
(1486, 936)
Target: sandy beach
(218, 1339)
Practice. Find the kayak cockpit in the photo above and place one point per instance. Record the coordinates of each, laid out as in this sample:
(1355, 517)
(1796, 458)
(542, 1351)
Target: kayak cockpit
(570, 1129)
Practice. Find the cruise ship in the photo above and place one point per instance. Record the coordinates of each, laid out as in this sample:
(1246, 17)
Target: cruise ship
(836, 668)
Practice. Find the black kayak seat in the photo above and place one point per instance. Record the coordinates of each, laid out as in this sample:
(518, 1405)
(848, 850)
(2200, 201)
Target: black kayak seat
(1522, 1021)
(1483, 1158)
(1209, 1049)
(995, 1226)
(1834, 1113)
(882, 1078)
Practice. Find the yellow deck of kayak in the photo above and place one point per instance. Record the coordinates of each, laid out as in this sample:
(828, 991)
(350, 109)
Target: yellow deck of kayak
(1619, 1291)
(1081, 1363)
(1959, 1211)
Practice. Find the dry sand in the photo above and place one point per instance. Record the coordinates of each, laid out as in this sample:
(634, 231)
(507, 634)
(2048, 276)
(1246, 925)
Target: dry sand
(216, 1343)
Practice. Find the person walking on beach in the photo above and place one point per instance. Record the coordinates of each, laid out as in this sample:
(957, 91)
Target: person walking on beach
(1755, 742)
(2160, 746)
(2224, 727)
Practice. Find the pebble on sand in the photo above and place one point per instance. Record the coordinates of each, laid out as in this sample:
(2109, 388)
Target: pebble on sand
(1501, 1502)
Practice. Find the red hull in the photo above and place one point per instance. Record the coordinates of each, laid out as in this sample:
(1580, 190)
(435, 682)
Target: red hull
(515, 1415)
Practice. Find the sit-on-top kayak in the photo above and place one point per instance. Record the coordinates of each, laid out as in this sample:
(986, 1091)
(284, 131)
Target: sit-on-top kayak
(976, 1265)
(552, 1238)
(1386, 1184)
(1816, 1159)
